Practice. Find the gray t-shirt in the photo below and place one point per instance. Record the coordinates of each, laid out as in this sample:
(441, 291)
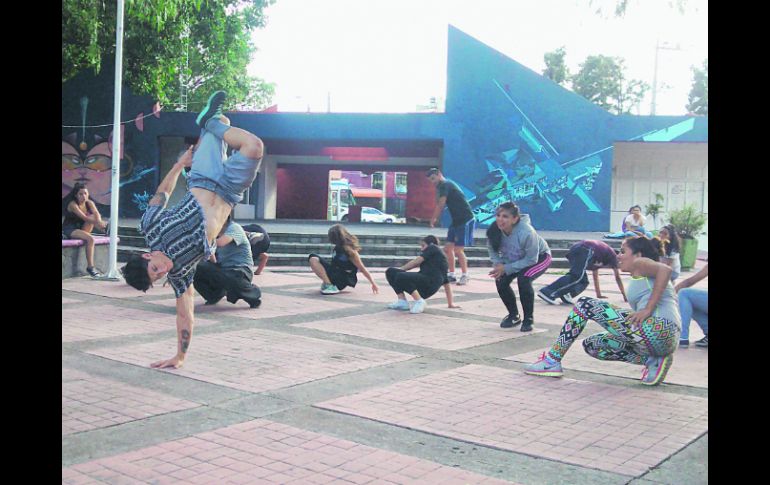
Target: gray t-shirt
(639, 292)
(236, 254)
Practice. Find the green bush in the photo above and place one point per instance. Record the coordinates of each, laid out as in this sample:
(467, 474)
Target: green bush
(688, 222)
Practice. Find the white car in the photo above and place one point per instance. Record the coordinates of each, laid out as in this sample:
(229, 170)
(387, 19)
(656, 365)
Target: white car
(370, 214)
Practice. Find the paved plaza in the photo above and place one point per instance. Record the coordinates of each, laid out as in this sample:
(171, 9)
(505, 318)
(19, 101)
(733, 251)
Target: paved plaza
(311, 389)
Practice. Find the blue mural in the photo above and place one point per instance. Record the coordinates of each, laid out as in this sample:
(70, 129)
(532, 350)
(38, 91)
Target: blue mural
(508, 134)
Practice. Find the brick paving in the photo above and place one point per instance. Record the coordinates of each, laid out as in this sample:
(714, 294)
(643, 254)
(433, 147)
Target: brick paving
(423, 329)
(345, 396)
(257, 360)
(588, 424)
(262, 451)
(90, 402)
(104, 321)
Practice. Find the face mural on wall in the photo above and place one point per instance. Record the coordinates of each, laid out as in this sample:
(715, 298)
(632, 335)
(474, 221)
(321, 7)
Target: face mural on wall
(90, 161)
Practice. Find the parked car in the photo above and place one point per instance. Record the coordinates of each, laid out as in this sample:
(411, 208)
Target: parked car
(370, 214)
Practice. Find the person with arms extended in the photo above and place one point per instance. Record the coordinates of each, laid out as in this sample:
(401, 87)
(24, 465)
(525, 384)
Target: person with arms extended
(460, 233)
(583, 256)
(182, 236)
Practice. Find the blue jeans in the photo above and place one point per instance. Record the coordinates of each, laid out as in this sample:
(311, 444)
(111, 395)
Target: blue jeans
(693, 304)
(576, 281)
(227, 178)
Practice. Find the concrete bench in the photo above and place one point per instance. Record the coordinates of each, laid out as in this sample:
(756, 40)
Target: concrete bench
(73, 256)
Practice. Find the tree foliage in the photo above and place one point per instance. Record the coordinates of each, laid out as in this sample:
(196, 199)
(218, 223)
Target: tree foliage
(698, 100)
(601, 80)
(619, 7)
(170, 46)
(555, 68)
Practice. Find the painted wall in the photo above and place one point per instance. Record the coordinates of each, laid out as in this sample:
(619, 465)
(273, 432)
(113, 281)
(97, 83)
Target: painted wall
(302, 191)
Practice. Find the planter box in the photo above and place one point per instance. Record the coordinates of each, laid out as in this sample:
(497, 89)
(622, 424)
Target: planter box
(688, 254)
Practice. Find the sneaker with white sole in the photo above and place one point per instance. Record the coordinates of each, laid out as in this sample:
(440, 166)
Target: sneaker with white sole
(329, 289)
(463, 280)
(212, 109)
(399, 305)
(704, 342)
(510, 321)
(567, 298)
(655, 369)
(418, 306)
(546, 298)
(544, 367)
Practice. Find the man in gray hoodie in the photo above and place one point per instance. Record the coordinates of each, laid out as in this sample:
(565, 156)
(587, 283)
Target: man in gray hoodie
(517, 252)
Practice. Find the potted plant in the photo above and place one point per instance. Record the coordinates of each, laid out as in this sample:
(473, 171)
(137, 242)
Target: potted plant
(689, 223)
(654, 209)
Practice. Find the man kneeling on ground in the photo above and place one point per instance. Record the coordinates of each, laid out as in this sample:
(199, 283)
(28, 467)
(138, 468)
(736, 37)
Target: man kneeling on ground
(231, 272)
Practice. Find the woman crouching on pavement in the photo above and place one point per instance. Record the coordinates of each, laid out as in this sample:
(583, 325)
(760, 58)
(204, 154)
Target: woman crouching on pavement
(646, 335)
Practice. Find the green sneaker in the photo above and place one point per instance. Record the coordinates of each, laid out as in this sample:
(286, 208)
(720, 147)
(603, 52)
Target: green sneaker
(329, 289)
(213, 108)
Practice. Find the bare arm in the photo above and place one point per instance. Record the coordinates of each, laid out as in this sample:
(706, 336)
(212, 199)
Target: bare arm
(413, 263)
(704, 272)
(224, 241)
(356, 260)
(597, 289)
(437, 213)
(662, 275)
(184, 328)
(73, 207)
(619, 281)
(449, 299)
(168, 184)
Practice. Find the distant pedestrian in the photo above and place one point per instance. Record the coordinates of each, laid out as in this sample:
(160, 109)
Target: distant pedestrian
(340, 271)
(423, 284)
(517, 252)
(645, 335)
(673, 245)
(583, 256)
(460, 233)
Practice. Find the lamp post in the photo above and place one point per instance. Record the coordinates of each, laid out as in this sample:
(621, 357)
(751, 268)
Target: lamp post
(112, 272)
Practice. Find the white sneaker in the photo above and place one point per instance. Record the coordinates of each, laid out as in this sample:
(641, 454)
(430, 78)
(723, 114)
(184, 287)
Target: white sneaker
(463, 280)
(418, 306)
(399, 305)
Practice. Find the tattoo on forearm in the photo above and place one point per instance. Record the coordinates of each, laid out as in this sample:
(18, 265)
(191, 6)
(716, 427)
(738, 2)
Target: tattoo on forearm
(185, 340)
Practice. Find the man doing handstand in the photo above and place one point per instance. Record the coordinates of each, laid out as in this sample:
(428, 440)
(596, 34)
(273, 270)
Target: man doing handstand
(182, 236)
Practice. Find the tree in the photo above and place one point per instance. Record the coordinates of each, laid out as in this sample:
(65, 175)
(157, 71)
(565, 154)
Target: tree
(619, 7)
(601, 80)
(170, 47)
(555, 68)
(698, 100)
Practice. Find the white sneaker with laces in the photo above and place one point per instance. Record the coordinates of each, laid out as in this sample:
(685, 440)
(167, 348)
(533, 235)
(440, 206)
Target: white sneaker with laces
(418, 306)
(463, 280)
(399, 305)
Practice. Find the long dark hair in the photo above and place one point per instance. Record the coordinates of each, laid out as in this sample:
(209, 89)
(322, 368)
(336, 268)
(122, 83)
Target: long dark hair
(339, 236)
(674, 241)
(494, 234)
(72, 196)
(648, 248)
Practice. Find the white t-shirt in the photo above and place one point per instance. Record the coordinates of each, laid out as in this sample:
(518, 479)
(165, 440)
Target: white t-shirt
(632, 223)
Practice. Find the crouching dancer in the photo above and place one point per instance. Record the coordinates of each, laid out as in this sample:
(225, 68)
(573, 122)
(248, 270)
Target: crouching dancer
(182, 236)
(645, 335)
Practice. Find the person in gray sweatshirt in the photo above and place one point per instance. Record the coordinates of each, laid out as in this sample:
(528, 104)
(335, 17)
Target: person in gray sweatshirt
(517, 252)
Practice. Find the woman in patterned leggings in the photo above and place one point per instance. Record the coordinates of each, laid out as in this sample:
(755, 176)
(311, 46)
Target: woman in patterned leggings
(646, 336)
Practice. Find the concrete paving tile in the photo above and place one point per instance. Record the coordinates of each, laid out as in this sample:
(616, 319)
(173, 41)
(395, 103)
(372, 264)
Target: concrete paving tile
(357, 467)
(257, 360)
(272, 306)
(113, 289)
(105, 321)
(473, 384)
(690, 366)
(424, 329)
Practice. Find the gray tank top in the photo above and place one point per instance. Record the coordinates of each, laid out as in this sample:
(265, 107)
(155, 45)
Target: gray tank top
(639, 292)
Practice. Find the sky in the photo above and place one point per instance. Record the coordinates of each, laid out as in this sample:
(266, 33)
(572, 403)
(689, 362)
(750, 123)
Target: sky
(390, 56)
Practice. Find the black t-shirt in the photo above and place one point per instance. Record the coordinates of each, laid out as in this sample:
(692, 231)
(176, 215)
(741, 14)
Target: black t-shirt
(459, 208)
(435, 265)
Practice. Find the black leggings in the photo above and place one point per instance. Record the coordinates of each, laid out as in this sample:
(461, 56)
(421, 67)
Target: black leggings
(525, 278)
(406, 282)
